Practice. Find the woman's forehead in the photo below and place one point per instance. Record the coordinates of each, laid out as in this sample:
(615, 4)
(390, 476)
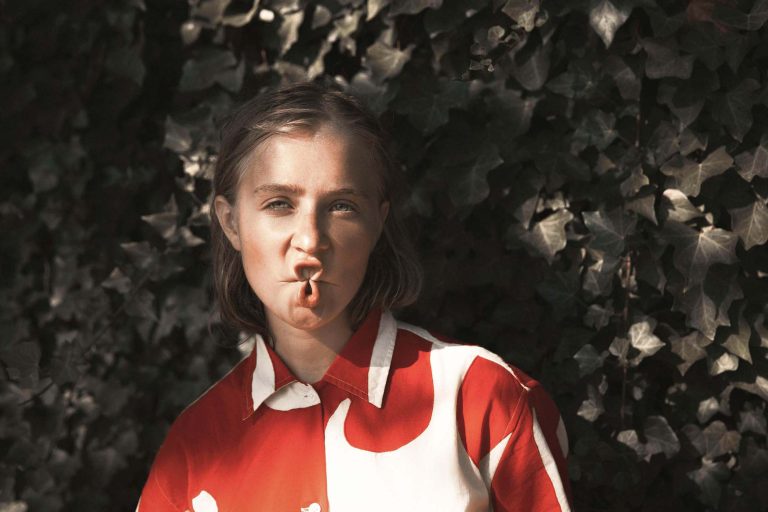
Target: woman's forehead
(329, 156)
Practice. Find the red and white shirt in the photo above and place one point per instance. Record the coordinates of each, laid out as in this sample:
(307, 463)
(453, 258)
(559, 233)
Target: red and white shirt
(401, 421)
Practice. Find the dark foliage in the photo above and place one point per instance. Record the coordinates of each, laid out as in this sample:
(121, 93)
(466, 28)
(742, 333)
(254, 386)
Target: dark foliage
(589, 184)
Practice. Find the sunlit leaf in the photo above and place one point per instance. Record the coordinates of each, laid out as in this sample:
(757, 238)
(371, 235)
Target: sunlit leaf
(678, 207)
(606, 18)
(751, 223)
(696, 251)
(690, 348)
(641, 337)
(687, 175)
(547, 237)
(523, 12)
(412, 6)
(734, 108)
(725, 363)
(385, 61)
(591, 408)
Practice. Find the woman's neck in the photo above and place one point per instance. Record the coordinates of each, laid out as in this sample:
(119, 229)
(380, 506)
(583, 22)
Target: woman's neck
(308, 354)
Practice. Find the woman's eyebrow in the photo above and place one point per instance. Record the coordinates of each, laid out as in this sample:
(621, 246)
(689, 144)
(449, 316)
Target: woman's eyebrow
(277, 188)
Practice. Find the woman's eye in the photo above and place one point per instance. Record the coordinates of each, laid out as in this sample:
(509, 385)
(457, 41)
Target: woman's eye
(342, 207)
(278, 205)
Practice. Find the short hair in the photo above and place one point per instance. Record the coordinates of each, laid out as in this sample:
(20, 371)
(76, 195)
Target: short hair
(393, 278)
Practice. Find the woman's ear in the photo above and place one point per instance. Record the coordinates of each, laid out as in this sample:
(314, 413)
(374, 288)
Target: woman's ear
(383, 212)
(225, 213)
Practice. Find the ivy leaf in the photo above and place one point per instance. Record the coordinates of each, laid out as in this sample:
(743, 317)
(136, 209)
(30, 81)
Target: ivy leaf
(663, 24)
(117, 281)
(547, 237)
(22, 361)
(659, 435)
(626, 77)
(677, 206)
(696, 251)
(619, 347)
(690, 349)
(560, 290)
(591, 408)
(413, 6)
(641, 337)
(664, 59)
(522, 12)
(754, 163)
(384, 61)
(707, 409)
(661, 438)
(597, 128)
(725, 363)
(588, 359)
(597, 316)
(715, 440)
(708, 478)
(735, 18)
(753, 420)
(429, 109)
(751, 223)
(703, 311)
(605, 18)
(609, 230)
(532, 73)
(211, 66)
(598, 279)
(687, 175)
(471, 185)
(734, 108)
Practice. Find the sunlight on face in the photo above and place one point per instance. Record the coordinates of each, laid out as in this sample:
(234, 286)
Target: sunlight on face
(307, 216)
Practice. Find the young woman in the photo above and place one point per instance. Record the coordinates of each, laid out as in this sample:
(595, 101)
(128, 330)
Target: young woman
(340, 407)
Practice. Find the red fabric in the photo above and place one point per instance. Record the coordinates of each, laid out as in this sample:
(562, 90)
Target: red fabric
(221, 451)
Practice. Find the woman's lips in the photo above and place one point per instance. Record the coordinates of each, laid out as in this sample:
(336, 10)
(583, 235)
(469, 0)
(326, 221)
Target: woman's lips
(309, 294)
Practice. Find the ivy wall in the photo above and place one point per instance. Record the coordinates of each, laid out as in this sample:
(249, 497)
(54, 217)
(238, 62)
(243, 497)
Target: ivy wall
(588, 191)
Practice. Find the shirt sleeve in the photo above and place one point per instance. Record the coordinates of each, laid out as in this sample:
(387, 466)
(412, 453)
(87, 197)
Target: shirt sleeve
(529, 468)
(165, 489)
(512, 431)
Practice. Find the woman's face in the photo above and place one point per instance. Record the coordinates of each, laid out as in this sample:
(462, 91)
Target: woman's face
(306, 218)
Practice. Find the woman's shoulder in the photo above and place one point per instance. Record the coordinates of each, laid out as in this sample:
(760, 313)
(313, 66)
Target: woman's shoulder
(478, 365)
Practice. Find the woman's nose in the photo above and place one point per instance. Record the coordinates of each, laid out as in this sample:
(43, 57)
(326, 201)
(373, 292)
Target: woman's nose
(309, 235)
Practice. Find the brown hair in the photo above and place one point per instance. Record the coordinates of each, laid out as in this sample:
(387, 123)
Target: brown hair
(393, 278)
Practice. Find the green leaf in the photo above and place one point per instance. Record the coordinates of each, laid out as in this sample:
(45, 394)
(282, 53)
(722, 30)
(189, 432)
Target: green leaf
(606, 18)
(738, 19)
(715, 440)
(708, 478)
(664, 60)
(687, 175)
(597, 128)
(22, 361)
(428, 109)
(591, 408)
(734, 108)
(470, 185)
(737, 342)
(210, 66)
(412, 6)
(609, 230)
(523, 12)
(751, 223)
(755, 162)
(753, 420)
(641, 337)
(677, 206)
(725, 363)
(660, 438)
(547, 237)
(626, 77)
(117, 281)
(560, 290)
(532, 73)
(384, 61)
(588, 359)
(696, 251)
(690, 349)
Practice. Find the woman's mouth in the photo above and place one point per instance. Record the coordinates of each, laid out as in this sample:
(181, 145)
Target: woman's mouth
(309, 294)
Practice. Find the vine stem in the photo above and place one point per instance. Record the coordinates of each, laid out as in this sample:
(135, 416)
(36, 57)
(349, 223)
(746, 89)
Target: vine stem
(625, 328)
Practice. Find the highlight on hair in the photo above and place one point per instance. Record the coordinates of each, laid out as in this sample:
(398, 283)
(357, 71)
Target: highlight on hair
(393, 278)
